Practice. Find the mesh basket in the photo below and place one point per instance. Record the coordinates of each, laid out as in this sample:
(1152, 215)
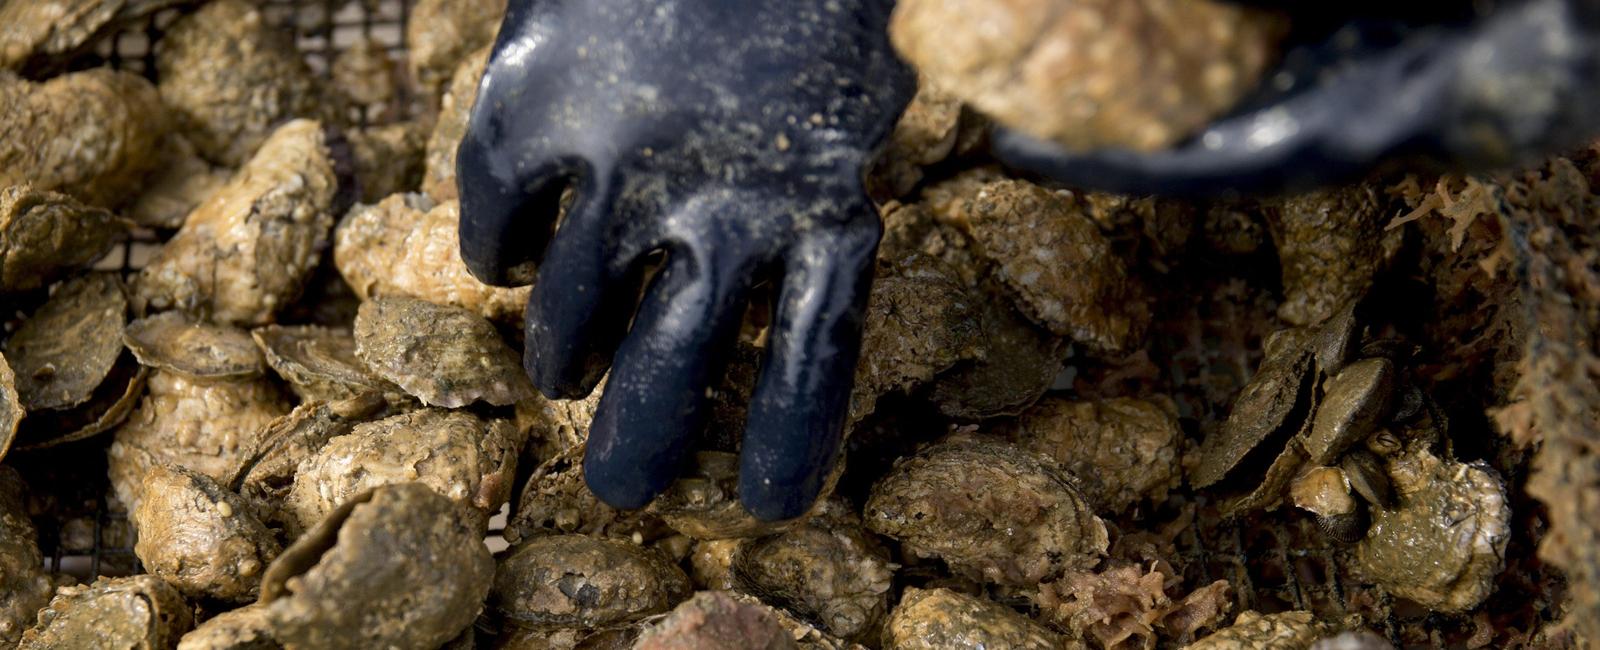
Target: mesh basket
(1275, 561)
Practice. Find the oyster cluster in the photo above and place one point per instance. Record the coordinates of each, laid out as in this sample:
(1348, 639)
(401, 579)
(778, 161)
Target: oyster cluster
(311, 412)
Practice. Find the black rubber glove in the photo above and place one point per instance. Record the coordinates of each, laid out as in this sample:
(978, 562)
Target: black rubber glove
(1517, 83)
(728, 134)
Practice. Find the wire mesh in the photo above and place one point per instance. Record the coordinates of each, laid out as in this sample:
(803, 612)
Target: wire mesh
(1275, 562)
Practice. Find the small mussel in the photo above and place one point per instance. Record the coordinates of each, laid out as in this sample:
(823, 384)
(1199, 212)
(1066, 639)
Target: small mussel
(137, 613)
(937, 619)
(200, 537)
(577, 581)
(445, 356)
(396, 567)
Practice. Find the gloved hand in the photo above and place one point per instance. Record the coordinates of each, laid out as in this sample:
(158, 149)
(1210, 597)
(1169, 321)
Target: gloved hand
(1520, 82)
(728, 134)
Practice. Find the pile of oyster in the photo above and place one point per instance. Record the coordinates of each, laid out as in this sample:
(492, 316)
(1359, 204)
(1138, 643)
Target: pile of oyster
(311, 412)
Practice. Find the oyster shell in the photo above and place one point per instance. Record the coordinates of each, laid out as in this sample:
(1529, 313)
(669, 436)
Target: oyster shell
(458, 454)
(231, 78)
(1124, 450)
(137, 612)
(442, 33)
(925, 134)
(439, 161)
(319, 363)
(38, 31)
(366, 74)
(24, 585)
(249, 249)
(180, 184)
(993, 512)
(246, 628)
(398, 566)
(108, 407)
(1252, 629)
(584, 582)
(1014, 365)
(827, 570)
(267, 476)
(388, 159)
(206, 407)
(1265, 415)
(712, 620)
(1091, 73)
(408, 246)
(918, 324)
(555, 500)
(90, 134)
(704, 502)
(201, 538)
(11, 411)
(45, 235)
(1331, 243)
(1445, 541)
(173, 342)
(936, 619)
(1354, 402)
(69, 345)
(445, 356)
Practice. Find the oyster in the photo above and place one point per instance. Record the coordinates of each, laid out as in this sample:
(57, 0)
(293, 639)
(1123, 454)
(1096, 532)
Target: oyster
(246, 628)
(556, 426)
(442, 33)
(936, 619)
(555, 500)
(181, 182)
(1091, 73)
(924, 135)
(90, 134)
(827, 570)
(137, 612)
(1445, 542)
(993, 512)
(1014, 365)
(576, 581)
(69, 345)
(712, 620)
(1269, 411)
(408, 246)
(1125, 450)
(388, 159)
(11, 411)
(206, 407)
(365, 74)
(398, 566)
(445, 356)
(1331, 243)
(250, 248)
(200, 537)
(918, 324)
(1253, 630)
(267, 476)
(1050, 255)
(231, 78)
(319, 363)
(704, 503)
(108, 407)
(24, 585)
(39, 31)
(45, 235)
(458, 454)
(439, 161)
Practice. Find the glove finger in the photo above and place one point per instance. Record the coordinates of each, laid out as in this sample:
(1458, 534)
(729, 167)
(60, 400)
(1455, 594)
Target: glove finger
(506, 220)
(792, 436)
(655, 397)
(579, 308)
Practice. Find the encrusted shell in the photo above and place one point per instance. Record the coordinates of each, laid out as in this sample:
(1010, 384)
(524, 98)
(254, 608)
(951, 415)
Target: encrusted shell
(937, 619)
(174, 342)
(461, 456)
(1124, 450)
(318, 362)
(407, 245)
(45, 235)
(140, 612)
(63, 352)
(91, 134)
(704, 503)
(245, 628)
(24, 585)
(585, 582)
(828, 570)
(200, 537)
(445, 356)
(11, 411)
(249, 249)
(267, 475)
(991, 511)
(398, 566)
(1253, 630)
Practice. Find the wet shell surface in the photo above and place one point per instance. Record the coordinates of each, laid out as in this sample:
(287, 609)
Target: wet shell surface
(45, 235)
(63, 352)
(140, 612)
(399, 566)
(318, 362)
(200, 537)
(445, 356)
